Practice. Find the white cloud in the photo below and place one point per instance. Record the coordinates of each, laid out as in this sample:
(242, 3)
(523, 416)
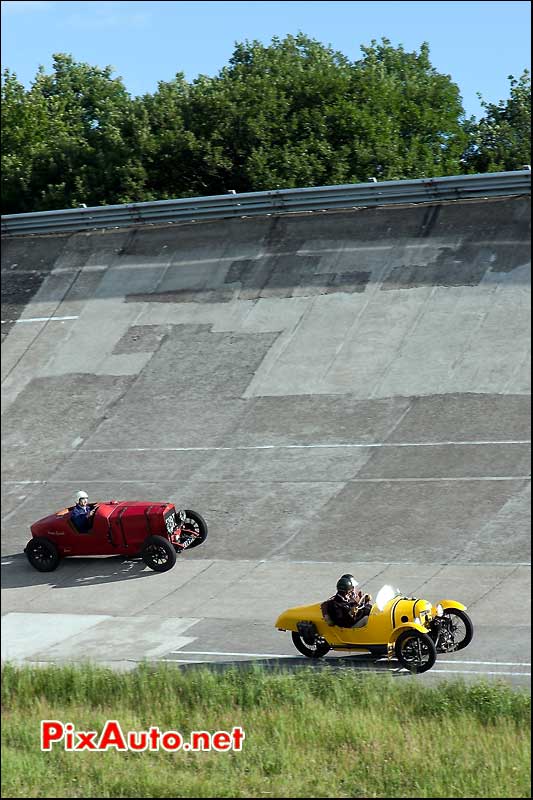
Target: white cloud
(99, 16)
(20, 6)
(90, 14)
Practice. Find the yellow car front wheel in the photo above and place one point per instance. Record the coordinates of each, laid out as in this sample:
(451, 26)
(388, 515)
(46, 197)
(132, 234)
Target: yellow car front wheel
(415, 651)
(456, 633)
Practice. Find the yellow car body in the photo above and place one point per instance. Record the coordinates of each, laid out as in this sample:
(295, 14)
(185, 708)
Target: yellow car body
(391, 616)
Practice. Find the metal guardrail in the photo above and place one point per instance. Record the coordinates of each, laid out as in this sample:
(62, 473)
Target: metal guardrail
(321, 198)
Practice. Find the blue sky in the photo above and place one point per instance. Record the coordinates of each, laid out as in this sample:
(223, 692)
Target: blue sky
(478, 43)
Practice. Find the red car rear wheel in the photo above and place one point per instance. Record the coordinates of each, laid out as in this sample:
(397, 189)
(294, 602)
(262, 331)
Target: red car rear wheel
(42, 554)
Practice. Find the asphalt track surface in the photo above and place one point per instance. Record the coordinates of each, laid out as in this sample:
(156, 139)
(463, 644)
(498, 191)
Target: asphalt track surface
(336, 392)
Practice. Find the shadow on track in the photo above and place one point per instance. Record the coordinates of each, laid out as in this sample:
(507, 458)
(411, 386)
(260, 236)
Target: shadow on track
(359, 662)
(73, 572)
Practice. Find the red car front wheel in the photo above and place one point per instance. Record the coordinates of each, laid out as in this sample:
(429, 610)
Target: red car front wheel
(158, 554)
(193, 530)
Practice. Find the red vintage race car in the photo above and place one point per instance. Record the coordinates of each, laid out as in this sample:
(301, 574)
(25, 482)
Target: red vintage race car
(153, 531)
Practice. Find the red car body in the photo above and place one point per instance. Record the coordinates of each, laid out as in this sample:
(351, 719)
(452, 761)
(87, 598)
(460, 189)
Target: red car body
(119, 528)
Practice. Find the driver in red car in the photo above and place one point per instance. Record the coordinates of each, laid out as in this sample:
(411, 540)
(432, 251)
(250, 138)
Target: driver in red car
(348, 606)
(82, 514)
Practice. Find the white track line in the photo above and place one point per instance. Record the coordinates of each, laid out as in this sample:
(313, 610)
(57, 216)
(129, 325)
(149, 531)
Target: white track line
(16, 557)
(159, 481)
(491, 663)
(281, 655)
(37, 319)
(481, 672)
(298, 446)
(246, 655)
(401, 669)
(441, 479)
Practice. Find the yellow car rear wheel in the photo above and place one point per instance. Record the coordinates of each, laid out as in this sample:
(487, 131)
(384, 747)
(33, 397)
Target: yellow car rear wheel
(316, 650)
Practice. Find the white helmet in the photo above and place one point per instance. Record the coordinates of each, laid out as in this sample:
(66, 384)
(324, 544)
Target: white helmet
(80, 495)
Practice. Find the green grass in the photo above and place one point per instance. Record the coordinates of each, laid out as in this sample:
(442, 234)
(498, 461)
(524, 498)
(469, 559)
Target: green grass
(308, 734)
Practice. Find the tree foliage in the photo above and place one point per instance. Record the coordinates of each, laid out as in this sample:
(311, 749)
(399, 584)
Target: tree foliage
(501, 140)
(291, 113)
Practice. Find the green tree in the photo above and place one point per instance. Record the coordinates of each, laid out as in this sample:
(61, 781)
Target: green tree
(25, 137)
(171, 152)
(409, 121)
(269, 117)
(73, 138)
(92, 155)
(297, 113)
(291, 113)
(501, 140)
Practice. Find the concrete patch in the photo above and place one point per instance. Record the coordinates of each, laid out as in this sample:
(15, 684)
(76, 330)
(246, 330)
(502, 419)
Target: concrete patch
(77, 637)
(20, 252)
(460, 417)
(195, 421)
(17, 289)
(413, 521)
(449, 461)
(283, 465)
(194, 363)
(506, 532)
(452, 267)
(24, 635)
(39, 427)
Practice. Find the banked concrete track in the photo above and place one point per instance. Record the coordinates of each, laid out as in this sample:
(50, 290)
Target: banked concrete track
(345, 391)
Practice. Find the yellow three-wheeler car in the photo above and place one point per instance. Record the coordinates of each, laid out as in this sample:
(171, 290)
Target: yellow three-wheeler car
(413, 630)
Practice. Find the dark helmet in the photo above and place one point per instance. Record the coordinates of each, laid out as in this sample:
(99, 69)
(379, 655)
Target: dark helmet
(346, 583)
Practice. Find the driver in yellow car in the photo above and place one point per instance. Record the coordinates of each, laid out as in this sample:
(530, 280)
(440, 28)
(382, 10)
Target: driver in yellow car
(348, 606)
